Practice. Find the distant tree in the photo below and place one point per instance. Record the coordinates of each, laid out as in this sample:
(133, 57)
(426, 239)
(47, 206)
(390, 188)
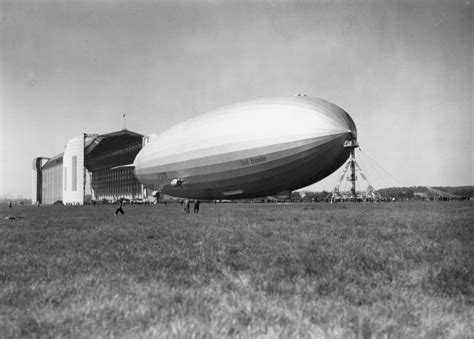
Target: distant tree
(309, 196)
(324, 195)
(464, 191)
(295, 197)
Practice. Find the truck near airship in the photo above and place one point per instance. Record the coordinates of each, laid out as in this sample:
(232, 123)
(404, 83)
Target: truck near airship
(251, 149)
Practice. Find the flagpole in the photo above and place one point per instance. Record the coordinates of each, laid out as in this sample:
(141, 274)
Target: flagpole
(123, 118)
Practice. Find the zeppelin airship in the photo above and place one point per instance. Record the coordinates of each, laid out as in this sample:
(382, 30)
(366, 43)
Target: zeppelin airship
(251, 149)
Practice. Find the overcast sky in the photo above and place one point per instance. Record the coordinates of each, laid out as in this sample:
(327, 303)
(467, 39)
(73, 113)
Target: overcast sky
(401, 69)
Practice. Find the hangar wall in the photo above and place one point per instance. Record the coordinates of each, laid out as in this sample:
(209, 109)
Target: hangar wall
(37, 179)
(52, 177)
(73, 171)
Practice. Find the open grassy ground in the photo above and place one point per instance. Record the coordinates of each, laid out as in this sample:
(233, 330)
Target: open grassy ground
(245, 270)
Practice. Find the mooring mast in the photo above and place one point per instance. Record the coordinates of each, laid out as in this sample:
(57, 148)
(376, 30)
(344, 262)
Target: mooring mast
(353, 175)
(352, 144)
(353, 166)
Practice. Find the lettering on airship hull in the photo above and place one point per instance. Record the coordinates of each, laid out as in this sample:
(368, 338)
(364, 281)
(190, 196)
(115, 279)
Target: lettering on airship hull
(253, 161)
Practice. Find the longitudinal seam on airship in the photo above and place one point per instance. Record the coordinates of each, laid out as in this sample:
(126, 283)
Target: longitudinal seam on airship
(273, 160)
(240, 151)
(190, 142)
(265, 179)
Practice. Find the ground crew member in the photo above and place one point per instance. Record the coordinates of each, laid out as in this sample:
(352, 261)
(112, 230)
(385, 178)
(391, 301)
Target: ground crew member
(119, 207)
(196, 205)
(186, 205)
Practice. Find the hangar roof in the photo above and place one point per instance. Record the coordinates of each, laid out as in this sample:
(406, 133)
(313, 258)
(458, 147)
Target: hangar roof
(111, 149)
(106, 150)
(54, 161)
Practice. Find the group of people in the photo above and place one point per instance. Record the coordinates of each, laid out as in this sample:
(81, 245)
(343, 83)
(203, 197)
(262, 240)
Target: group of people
(187, 204)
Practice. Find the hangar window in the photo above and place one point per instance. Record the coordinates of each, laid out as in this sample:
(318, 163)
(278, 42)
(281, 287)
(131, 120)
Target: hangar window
(65, 178)
(74, 173)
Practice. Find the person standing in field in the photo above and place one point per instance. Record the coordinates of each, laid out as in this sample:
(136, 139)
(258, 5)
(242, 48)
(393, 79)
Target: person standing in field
(119, 207)
(196, 205)
(186, 205)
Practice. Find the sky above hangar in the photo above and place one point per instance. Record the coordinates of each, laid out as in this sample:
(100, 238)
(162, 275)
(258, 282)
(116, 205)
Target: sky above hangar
(401, 69)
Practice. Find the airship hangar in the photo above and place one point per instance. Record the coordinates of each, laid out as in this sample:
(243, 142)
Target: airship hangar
(90, 163)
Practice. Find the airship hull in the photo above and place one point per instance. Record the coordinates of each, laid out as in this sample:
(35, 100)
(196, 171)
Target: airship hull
(248, 150)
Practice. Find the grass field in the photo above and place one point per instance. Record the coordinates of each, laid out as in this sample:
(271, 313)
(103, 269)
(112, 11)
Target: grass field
(240, 270)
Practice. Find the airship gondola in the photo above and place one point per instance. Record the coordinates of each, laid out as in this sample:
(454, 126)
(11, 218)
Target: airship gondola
(251, 149)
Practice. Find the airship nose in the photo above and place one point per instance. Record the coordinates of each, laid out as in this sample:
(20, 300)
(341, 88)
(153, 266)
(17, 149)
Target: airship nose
(352, 133)
(351, 139)
(351, 126)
